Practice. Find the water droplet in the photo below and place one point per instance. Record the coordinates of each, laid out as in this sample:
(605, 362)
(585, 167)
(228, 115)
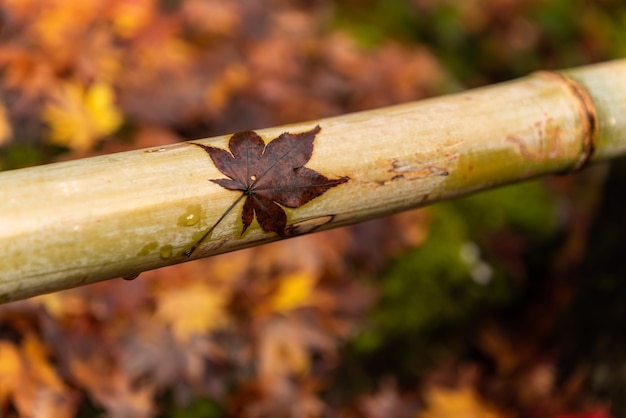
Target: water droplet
(165, 252)
(133, 277)
(148, 248)
(191, 216)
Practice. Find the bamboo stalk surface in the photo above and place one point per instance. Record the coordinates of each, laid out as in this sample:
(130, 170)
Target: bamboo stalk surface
(68, 224)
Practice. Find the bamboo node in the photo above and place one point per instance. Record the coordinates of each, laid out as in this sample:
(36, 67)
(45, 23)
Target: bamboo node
(588, 118)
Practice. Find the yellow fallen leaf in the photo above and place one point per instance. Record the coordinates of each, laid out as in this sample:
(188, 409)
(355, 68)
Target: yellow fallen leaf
(78, 117)
(5, 126)
(294, 290)
(61, 304)
(456, 403)
(41, 370)
(192, 309)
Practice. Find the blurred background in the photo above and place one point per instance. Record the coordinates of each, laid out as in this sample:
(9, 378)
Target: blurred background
(505, 304)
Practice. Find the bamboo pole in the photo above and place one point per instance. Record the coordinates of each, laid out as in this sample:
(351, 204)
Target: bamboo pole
(68, 224)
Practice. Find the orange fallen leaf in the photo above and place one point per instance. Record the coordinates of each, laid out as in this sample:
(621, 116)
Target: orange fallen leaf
(5, 126)
(113, 389)
(10, 371)
(456, 403)
(30, 383)
(130, 16)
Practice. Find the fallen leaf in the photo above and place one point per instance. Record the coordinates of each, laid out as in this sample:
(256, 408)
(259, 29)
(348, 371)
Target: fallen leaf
(61, 23)
(30, 383)
(232, 79)
(593, 413)
(41, 390)
(78, 116)
(215, 17)
(295, 290)
(10, 371)
(24, 71)
(129, 17)
(5, 126)
(192, 309)
(387, 402)
(456, 403)
(285, 351)
(268, 175)
(113, 389)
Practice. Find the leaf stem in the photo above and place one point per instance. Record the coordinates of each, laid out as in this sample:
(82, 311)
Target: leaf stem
(195, 246)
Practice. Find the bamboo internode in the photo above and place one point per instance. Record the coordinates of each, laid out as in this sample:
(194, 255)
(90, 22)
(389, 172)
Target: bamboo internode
(67, 224)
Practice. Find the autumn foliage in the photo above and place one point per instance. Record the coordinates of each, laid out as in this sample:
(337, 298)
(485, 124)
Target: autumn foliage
(397, 317)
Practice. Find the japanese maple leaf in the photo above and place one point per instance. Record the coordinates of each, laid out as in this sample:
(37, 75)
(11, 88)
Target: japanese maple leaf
(268, 176)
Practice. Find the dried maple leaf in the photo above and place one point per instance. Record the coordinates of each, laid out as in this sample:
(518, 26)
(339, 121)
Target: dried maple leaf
(268, 176)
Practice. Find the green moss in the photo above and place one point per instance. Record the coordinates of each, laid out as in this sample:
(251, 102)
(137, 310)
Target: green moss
(433, 284)
(20, 156)
(199, 408)
(527, 207)
(374, 21)
(432, 299)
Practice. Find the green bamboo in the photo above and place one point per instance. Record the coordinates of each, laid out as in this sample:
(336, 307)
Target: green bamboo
(68, 224)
